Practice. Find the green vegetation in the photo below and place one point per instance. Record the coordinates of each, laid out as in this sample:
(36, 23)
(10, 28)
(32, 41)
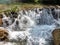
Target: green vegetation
(7, 8)
(31, 1)
(20, 6)
(16, 5)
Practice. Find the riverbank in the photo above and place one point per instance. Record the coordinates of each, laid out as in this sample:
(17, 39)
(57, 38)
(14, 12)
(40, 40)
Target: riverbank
(21, 6)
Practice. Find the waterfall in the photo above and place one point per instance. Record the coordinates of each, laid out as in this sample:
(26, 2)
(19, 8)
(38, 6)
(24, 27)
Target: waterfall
(38, 23)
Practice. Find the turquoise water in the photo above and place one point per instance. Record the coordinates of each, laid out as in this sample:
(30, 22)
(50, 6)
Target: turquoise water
(5, 1)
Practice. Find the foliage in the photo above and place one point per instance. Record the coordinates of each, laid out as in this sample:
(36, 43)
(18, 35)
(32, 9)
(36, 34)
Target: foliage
(36, 1)
(13, 9)
(50, 1)
(31, 1)
(43, 1)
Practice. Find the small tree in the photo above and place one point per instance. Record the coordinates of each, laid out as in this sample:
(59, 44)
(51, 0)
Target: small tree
(36, 1)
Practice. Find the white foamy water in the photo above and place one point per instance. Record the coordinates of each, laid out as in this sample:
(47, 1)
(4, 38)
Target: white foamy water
(35, 26)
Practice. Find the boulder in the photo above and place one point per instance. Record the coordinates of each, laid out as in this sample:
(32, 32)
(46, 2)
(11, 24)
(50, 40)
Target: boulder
(3, 34)
(56, 36)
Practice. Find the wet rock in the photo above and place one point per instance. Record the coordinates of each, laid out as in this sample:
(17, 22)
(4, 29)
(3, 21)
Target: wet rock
(3, 34)
(14, 14)
(1, 22)
(56, 36)
(55, 15)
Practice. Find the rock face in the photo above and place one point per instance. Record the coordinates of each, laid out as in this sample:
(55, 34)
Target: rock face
(56, 36)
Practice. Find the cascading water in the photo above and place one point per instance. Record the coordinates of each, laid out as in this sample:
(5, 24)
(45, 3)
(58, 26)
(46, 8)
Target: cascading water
(40, 32)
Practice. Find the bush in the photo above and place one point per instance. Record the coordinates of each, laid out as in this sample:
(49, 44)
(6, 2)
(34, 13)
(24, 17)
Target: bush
(49, 1)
